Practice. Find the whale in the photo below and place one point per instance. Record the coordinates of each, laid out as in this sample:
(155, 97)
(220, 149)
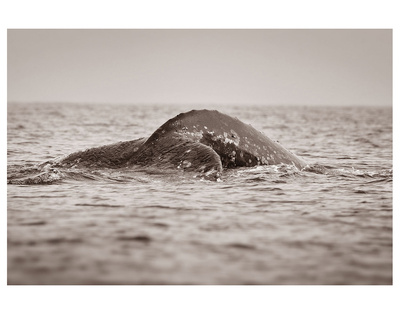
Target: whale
(202, 141)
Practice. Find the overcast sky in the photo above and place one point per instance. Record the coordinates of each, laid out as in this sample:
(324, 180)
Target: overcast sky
(343, 67)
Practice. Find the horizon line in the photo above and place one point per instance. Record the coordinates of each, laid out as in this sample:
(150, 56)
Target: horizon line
(161, 103)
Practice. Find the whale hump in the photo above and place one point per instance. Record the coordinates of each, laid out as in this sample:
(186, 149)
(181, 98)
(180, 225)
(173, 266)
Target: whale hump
(198, 140)
(202, 141)
(236, 143)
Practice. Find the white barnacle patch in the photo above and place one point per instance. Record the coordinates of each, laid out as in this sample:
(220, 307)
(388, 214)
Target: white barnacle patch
(186, 164)
(263, 160)
(195, 135)
(210, 172)
(227, 140)
(233, 137)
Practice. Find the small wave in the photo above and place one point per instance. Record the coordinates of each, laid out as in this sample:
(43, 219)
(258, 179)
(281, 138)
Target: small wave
(34, 223)
(46, 177)
(270, 169)
(256, 179)
(136, 238)
(358, 191)
(242, 246)
(345, 157)
(348, 173)
(99, 205)
(381, 180)
(64, 240)
(367, 141)
(316, 168)
(362, 173)
(279, 181)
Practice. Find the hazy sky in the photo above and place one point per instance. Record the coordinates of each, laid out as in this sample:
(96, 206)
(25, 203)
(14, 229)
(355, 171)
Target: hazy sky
(201, 66)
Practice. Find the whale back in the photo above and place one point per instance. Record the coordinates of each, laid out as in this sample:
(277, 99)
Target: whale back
(238, 144)
(199, 141)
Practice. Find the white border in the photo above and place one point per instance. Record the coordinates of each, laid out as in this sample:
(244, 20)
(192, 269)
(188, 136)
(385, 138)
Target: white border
(199, 14)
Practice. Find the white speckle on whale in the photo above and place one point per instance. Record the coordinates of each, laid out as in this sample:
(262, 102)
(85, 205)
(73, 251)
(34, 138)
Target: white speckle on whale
(227, 140)
(186, 164)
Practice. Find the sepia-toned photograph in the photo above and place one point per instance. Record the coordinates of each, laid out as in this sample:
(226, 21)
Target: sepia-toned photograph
(199, 157)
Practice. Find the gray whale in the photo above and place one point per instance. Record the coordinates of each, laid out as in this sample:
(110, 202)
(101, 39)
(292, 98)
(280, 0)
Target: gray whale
(204, 141)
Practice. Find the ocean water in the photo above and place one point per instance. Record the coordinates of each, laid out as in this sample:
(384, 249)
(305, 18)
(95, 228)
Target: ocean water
(261, 225)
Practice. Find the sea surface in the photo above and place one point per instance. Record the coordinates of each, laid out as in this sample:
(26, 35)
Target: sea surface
(261, 225)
